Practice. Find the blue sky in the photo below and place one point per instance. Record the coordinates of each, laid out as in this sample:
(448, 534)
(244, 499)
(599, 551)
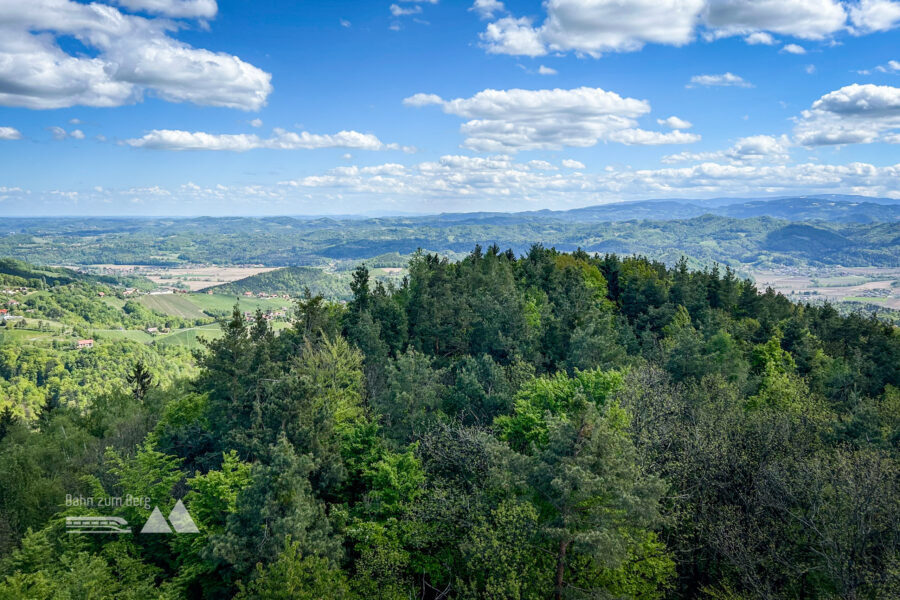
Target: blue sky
(191, 107)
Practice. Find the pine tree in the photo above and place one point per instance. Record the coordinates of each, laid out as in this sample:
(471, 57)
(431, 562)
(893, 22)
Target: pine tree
(140, 381)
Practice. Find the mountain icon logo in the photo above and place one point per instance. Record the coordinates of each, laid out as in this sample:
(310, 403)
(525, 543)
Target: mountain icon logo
(179, 518)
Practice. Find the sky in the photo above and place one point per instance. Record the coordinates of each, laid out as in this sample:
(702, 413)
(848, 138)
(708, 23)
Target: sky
(263, 107)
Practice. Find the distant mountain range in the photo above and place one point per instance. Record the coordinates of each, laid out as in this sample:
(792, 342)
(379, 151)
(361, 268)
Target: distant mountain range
(846, 230)
(834, 208)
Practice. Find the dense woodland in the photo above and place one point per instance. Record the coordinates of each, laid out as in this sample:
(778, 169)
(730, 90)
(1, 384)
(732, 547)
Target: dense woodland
(293, 281)
(554, 425)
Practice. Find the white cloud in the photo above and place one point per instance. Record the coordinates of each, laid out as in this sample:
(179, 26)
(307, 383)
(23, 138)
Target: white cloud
(892, 66)
(675, 123)
(595, 27)
(256, 123)
(495, 182)
(723, 80)
(487, 8)
(760, 37)
(793, 49)
(808, 19)
(572, 164)
(10, 133)
(541, 165)
(169, 139)
(542, 70)
(345, 23)
(189, 9)
(59, 134)
(131, 56)
(810, 69)
(516, 119)
(874, 15)
(757, 148)
(854, 114)
(399, 11)
(513, 36)
(500, 183)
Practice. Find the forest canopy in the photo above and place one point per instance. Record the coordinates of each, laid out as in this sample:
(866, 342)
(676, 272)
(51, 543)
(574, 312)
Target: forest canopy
(550, 425)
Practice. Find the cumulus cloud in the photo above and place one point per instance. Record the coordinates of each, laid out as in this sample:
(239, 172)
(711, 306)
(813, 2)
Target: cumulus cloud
(760, 37)
(486, 9)
(58, 133)
(500, 183)
(399, 11)
(793, 49)
(188, 9)
(414, 8)
(675, 123)
(854, 114)
(498, 179)
(723, 80)
(572, 164)
(808, 19)
(595, 27)
(542, 70)
(131, 55)
(10, 133)
(757, 148)
(892, 66)
(516, 119)
(173, 139)
(513, 36)
(874, 15)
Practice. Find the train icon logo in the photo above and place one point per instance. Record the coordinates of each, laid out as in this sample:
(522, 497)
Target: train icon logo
(179, 521)
(97, 525)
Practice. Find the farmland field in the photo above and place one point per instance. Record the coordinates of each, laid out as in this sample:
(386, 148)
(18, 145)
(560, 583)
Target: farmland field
(219, 303)
(173, 304)
(134, 335)
(192, 277)
(868, 285)
(190, 337)
(28, 335)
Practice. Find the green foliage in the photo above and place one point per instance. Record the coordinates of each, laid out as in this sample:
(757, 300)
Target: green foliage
(293, 281)
(552, 397)
(293, 576)
(556, 425)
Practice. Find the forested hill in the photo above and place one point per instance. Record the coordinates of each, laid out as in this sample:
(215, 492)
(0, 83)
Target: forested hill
(291, 280)
(283, 241)
(548, 426)
(18, 273)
